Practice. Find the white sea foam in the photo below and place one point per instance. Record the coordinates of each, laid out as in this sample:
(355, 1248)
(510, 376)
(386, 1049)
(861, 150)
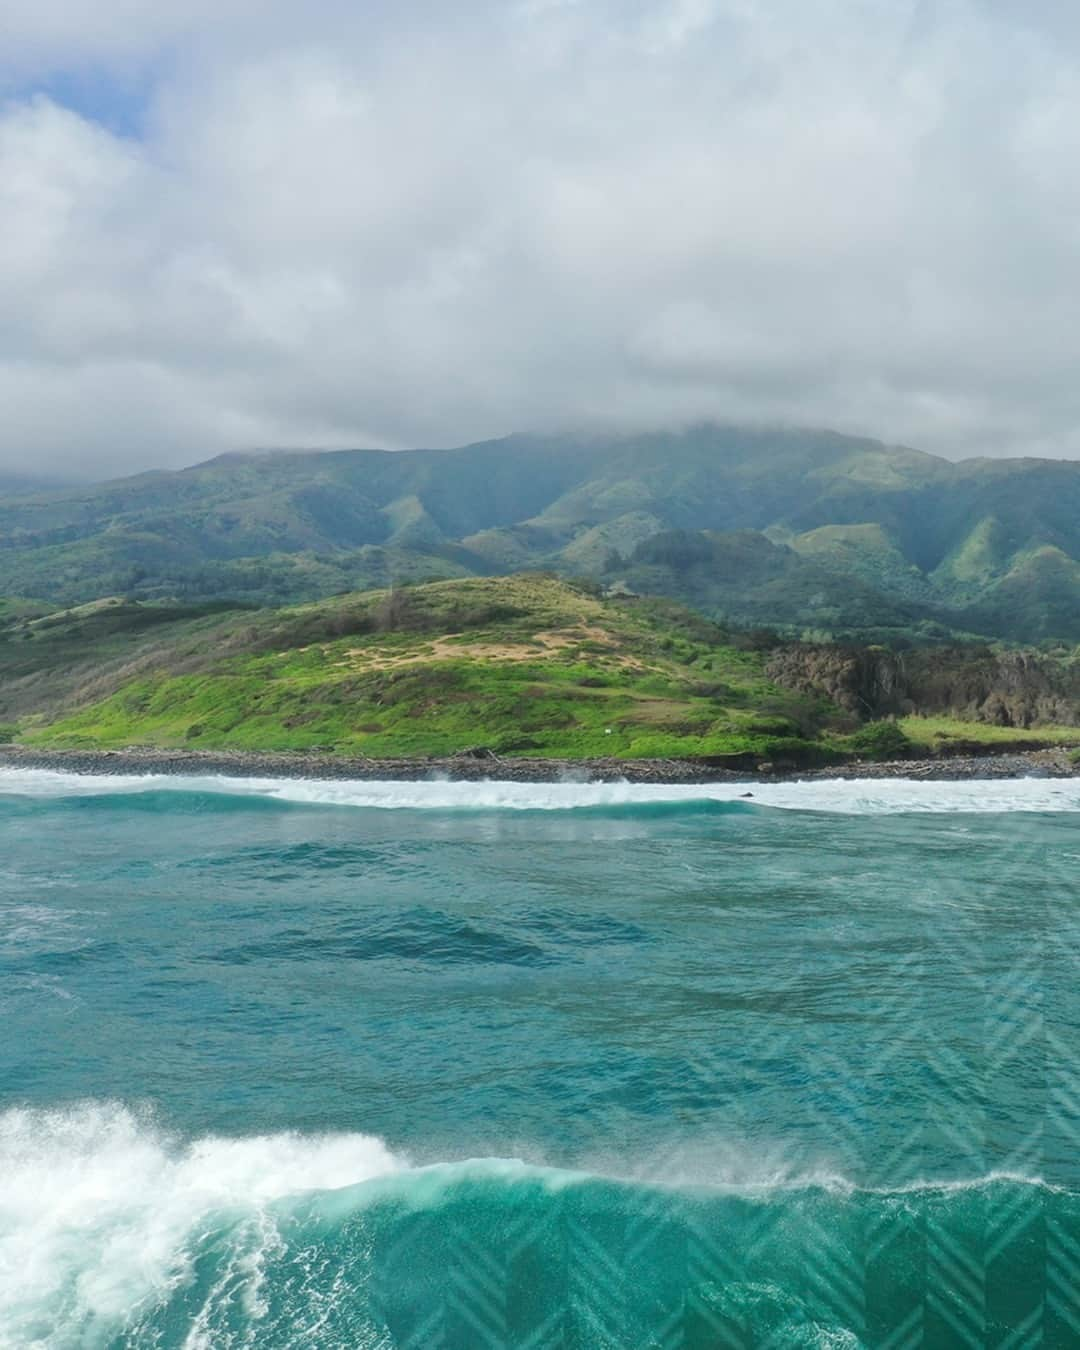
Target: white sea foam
(844, 796)
(98, 1208)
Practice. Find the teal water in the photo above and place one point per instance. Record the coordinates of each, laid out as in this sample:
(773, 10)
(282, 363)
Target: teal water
(432, 1065)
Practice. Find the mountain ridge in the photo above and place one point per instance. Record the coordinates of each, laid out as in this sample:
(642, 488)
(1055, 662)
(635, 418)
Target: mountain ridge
(852, 536)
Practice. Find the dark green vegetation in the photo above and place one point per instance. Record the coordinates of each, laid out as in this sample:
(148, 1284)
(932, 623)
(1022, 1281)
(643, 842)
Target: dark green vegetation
(810, 532)
(523, 665)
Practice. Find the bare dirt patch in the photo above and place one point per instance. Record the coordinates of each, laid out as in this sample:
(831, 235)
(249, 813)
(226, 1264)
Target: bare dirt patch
(452, 647)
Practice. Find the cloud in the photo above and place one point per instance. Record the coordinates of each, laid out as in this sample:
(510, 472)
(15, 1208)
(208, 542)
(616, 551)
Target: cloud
(424, 224)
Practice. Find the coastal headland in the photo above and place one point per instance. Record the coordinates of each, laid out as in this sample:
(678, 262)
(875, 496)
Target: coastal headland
(523, 678)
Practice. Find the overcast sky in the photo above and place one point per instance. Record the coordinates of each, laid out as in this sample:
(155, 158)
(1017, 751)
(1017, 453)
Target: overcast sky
(235, 223)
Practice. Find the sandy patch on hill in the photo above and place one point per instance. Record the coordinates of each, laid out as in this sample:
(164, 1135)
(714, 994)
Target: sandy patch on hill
(451, 648)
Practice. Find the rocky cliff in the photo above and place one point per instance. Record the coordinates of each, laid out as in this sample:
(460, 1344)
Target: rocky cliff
(1005, 688)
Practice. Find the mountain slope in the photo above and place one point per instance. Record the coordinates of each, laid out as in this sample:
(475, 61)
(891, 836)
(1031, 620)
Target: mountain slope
(850, 535)
(522, 665)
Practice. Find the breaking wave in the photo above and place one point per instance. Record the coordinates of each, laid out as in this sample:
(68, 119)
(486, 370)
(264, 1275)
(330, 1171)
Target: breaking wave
(844, 796)
(115, 1234)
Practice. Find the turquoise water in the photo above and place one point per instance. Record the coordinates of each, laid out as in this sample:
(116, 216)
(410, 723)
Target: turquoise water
(441, 1065)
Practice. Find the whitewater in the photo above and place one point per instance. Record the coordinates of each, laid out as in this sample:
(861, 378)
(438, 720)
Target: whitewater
(850, 796)
(299, 1063)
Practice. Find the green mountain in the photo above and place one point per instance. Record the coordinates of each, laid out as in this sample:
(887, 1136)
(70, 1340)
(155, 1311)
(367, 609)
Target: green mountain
(521, 665)
(802, 530)
(26, 485)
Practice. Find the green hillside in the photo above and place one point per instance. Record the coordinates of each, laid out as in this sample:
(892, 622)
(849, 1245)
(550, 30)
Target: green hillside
(521, 665)
(808, 531)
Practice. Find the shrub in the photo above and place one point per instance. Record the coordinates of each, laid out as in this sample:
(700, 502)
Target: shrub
(756, 640)
(879, 740)
(8, 732)
(395, 613)
(771, 726)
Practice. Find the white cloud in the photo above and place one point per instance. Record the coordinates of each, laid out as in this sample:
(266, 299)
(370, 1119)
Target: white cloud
(422, 224)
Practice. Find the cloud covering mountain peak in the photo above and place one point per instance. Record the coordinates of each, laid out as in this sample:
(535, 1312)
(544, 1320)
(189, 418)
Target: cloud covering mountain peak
(426, 224)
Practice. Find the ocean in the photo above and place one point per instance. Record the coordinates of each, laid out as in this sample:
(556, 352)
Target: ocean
(449, 1066)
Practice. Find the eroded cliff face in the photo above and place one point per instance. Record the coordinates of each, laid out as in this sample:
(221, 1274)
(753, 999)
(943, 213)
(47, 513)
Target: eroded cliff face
(1005, 688)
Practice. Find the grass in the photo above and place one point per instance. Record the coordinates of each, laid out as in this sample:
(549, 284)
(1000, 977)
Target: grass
(429, 708)
(935, 733)
(524, 665)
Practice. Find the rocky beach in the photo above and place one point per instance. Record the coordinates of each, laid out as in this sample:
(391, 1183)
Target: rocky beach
(482, 766)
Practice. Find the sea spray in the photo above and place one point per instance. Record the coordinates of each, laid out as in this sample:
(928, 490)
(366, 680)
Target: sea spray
(103, 1215)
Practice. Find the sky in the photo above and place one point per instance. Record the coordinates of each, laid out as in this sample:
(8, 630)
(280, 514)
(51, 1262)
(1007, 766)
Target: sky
(232, 224)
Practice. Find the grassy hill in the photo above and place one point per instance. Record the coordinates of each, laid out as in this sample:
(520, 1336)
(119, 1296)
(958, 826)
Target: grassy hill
(804, 530)
(522, 665)
(528, 665)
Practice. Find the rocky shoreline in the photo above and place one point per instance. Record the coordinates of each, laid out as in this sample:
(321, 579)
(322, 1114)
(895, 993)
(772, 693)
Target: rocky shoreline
(1048, 763)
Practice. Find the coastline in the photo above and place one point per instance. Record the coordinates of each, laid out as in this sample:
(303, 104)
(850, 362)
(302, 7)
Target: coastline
(1045, 763)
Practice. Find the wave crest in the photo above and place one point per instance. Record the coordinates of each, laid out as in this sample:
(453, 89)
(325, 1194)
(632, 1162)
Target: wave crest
(843, 796)
(113, 1232)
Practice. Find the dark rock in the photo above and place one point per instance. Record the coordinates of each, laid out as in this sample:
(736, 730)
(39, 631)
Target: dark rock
(250, 764)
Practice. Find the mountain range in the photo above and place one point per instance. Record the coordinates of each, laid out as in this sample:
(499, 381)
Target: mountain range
(809, 532)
